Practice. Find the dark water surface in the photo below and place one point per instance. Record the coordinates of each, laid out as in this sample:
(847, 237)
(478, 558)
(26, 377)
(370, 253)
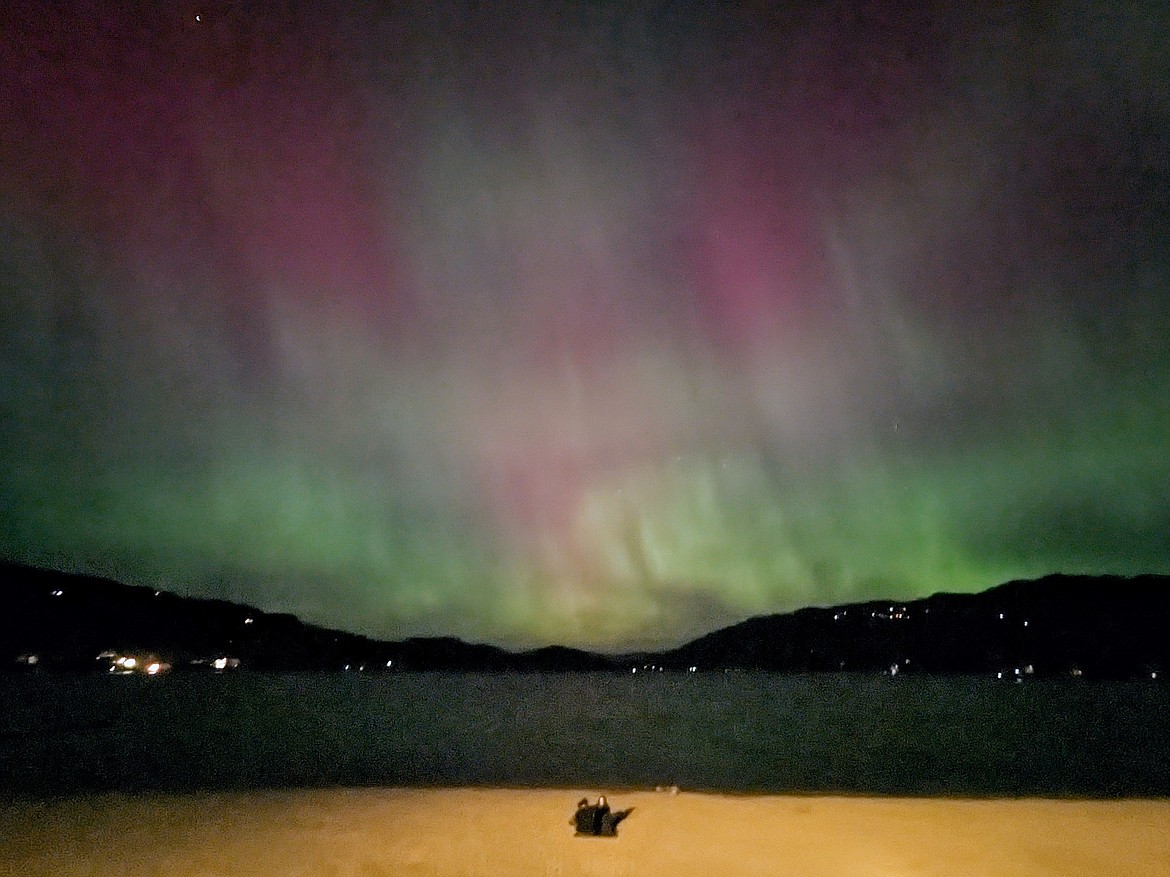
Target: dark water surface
(734, 732)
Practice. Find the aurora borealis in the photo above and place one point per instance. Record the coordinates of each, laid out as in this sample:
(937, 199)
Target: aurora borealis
(604, 324)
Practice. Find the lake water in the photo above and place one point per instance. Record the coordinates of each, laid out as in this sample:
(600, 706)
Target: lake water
(734, 732)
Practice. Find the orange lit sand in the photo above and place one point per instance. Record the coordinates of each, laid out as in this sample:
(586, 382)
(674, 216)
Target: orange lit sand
(496, 833)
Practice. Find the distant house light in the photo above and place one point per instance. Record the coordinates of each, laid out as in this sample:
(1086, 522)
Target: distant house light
(125, 665)
(58, 593)
(389, 663)
(219, 663)
(249, 620)
(1001, 616)
(158, 593)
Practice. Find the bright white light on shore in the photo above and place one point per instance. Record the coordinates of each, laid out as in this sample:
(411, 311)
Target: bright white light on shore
(220, 663)
(153, 668)
(249, 620)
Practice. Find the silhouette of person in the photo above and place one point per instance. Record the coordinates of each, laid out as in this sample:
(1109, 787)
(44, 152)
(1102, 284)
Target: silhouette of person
(610, 820)
(599, 814)
(585, 817)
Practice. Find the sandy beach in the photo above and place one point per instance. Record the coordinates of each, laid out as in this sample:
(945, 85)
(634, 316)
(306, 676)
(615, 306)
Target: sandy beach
(465, 832)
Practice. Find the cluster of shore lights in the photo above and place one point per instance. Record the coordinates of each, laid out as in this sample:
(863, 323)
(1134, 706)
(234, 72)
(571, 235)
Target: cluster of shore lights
(655, 668)
(126, 664)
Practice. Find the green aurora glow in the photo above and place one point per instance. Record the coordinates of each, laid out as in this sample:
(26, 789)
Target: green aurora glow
(679, 320)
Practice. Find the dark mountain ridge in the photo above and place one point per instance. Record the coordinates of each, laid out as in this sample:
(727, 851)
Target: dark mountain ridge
(68, 621)
(1105, 626)
(1101, 626)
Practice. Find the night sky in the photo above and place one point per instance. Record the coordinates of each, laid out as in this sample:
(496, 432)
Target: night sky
(605, 324)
